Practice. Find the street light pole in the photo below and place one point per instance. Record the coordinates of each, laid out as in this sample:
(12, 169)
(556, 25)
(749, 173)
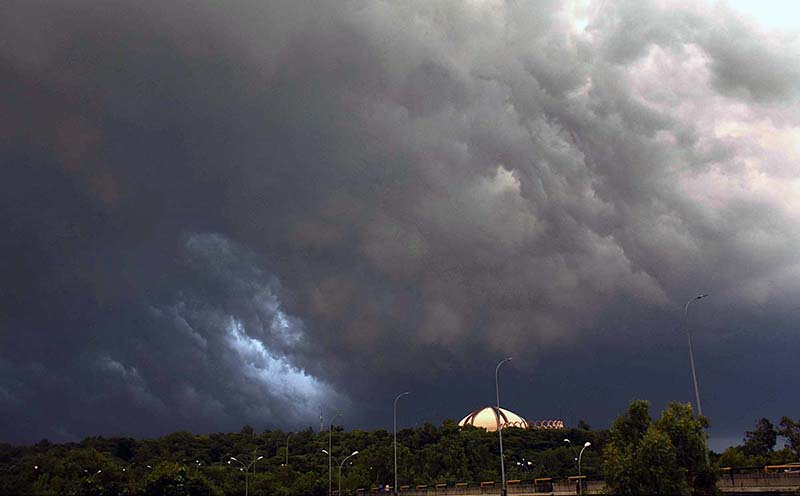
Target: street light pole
(499, 425)
(246, 469)
(287, 448)
(246, 473)
(340, 470)
(395, 440)
(580, 481)
(330, 458)
(691, 353)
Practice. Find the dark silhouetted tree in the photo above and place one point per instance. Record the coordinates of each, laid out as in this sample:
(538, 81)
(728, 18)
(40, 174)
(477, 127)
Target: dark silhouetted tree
(667, 456)
(790, 430)
(761, 440)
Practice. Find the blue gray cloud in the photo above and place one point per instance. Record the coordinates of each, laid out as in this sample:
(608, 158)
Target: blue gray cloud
(259, 212)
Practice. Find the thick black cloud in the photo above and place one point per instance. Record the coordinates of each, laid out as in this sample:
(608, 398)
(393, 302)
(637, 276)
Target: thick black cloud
(259, 212)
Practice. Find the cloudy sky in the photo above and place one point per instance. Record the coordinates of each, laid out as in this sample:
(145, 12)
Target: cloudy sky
(253, 212)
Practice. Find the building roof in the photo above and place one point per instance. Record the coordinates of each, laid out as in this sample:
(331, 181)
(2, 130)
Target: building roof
(491, 418)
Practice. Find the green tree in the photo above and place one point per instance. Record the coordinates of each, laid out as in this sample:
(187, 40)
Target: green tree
(667, 456)
(172, 479)
(687, 434)
(761, 440)
(629, 428)
(790, 430)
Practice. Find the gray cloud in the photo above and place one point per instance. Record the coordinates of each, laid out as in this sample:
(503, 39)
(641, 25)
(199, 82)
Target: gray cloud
(228, 211)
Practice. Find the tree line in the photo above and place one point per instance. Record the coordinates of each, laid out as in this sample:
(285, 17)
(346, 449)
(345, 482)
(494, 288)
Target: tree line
(666, 455)
(183, 463)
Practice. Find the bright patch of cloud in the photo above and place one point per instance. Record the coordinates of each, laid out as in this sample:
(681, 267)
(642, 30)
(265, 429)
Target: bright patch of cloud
(276, 373)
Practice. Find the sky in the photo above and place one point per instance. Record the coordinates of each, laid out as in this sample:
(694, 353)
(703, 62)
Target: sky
(263, 212)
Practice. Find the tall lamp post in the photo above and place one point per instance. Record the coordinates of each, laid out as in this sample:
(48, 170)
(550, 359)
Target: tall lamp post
(691, 353)
(500, 426)
(394, 488)
(329, 451)
(580, 481)
(354, 453)
(287, 448)
(246, 469)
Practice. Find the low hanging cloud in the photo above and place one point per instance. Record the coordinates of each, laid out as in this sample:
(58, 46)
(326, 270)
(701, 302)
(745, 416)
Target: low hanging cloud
(265, 210)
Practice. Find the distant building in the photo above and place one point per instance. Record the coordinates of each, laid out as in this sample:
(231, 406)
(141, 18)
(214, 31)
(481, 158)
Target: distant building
(492, 418)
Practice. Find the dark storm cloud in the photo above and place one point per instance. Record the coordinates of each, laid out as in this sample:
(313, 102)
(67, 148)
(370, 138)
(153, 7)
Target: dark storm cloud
(256, 212)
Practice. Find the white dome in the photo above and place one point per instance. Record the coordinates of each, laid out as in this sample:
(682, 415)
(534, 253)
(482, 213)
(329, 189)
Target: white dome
(491, 418)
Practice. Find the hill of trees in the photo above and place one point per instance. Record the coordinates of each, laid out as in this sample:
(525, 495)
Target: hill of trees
(187, 464)
(666, 455)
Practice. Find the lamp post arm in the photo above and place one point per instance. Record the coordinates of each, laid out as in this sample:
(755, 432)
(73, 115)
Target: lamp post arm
(580, 481)
(499, 425)
(574, 451)
(340, 471)
(691, 352)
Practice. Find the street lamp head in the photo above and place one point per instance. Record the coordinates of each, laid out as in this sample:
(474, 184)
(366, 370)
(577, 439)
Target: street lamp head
(234, 459)
(567, 441)
(587, 444)
(326, 452)
(701, 296)
(354, 453)
(259, 458)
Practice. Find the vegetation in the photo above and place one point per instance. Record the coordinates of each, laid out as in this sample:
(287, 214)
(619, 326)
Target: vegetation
(186, 464)
(759, 448)
(666, 456)
(638, 455)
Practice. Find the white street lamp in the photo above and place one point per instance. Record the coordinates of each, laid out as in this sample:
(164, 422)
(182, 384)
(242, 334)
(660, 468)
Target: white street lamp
(691, 354)
(395, 440)
(330, 458)
(246, 470)
(580, 481)
(90, 476)
(340, 470)
(525, 465)
(499, 425)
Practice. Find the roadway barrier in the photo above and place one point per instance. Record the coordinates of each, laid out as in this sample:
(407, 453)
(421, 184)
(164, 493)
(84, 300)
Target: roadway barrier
(729, 483)
(739, 483)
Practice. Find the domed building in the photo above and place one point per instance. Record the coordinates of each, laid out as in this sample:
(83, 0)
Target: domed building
(492, 418)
